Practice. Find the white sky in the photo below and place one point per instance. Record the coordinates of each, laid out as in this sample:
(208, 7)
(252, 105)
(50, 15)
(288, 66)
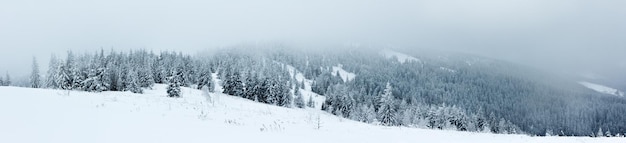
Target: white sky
(553, 34)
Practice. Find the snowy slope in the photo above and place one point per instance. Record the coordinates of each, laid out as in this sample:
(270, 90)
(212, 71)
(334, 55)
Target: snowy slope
(402, 58)
(345, 75)
(42, 115)
(602, 88)
(447, 69)
(307, 93)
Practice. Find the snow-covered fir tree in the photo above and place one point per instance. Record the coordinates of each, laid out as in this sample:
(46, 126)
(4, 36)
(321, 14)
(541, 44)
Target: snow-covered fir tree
(133, 82)
(7, 79)
(310, 103)
(94, 80)
(175, 81)
(252, 87)
(145, 77)
(35, 78)
(386, 110)
(233, 85)
(299, 100)
(285, 97)
(64, 78)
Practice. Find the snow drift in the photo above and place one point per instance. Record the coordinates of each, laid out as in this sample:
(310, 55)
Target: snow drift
(44, 115)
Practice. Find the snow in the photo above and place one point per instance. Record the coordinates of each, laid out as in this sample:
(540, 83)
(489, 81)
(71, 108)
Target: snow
(447, 69)
(218, 82)
(299, 77)
(345, 75)
(402, 58)
(307, 93)
(602, 88)
(472, 61)
(44, 115)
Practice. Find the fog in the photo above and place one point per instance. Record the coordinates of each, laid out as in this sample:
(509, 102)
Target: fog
(577, 36)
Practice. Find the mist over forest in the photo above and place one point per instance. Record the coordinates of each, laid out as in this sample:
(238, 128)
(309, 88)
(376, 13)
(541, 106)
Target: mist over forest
(521, 67)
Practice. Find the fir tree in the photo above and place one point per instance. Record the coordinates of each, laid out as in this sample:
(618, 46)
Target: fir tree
(35, 78)
(205, 79)
(63, 78)
(251, 86)
(229, 84)
(7, 79)
(310, 103)
(72, 73)
(145, 77)
(173, 88)
(299, 100)
(238, 86)
(132, 82)
(386, 110)
(93, 82)
(285, 98)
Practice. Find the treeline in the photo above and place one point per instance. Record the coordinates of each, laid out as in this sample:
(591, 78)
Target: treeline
(263, 76)
(537, 103)
(6, 81)
(387, 110)
(458, 92)
(256, 78)
(119, 71)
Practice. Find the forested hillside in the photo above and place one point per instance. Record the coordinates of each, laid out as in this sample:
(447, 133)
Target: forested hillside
(427, 90)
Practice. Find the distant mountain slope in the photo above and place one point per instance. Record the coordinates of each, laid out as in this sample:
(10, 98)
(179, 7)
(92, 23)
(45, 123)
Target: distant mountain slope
(401, 57)
(441, 91)
(602, 89)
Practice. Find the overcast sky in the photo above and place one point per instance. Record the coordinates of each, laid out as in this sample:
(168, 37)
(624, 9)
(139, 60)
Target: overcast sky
(577, 35)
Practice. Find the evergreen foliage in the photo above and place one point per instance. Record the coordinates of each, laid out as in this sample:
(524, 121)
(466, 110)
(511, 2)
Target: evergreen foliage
(35, 78)
(481, 95)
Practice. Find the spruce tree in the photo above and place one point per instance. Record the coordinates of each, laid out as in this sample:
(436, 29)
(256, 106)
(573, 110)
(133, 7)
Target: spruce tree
(145, 77)
(93, 81)
(299, 100)
(310, 103)
(173, 88)
(251, 86)
(133, 82)
(205, 79)
(64, 79)
(7, 79)
(228, 84)
(285, 98)
(35, 78)
(386, 110)
(238, 86)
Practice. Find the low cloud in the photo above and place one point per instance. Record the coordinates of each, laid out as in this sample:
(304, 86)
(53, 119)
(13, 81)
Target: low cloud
(561, 35)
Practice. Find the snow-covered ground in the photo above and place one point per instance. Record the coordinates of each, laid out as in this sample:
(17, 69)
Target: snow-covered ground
(44, 115)
(447, 69)
(402, 58)
(602, 88)
(345, 75)
(307, 93)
